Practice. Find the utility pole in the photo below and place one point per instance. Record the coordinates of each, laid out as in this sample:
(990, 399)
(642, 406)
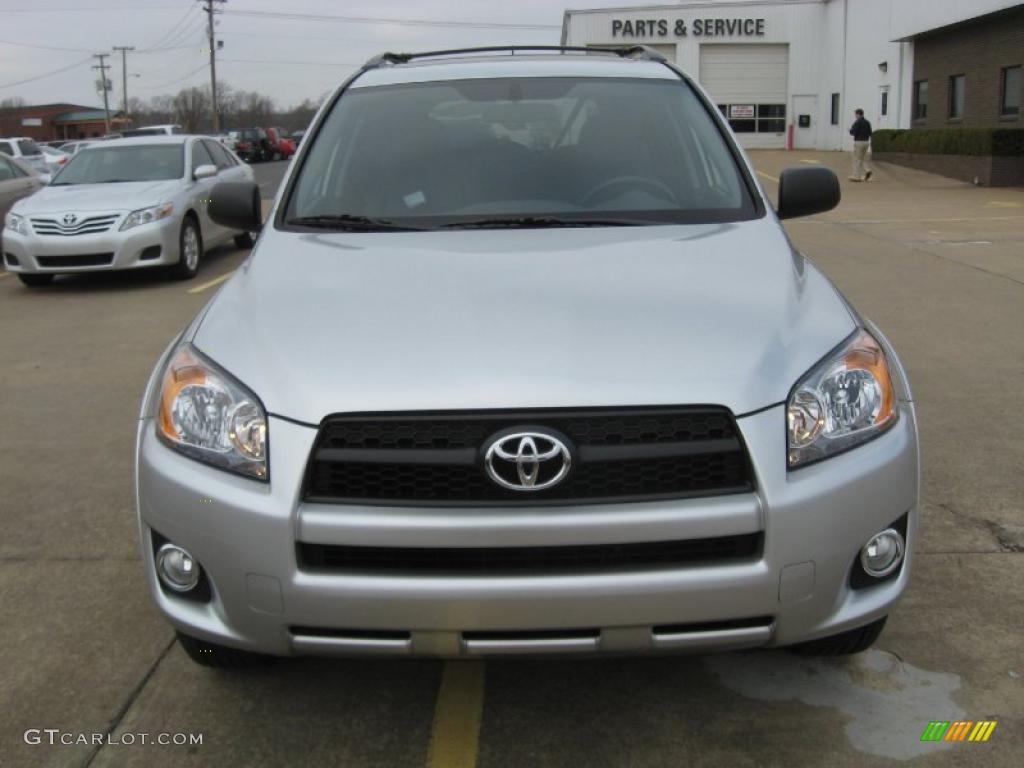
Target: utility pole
(208, 6)
(124, 75)
(102, 67)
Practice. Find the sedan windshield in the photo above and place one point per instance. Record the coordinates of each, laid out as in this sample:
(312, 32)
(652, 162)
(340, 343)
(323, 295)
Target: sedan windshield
(526, 152)
(96, 165)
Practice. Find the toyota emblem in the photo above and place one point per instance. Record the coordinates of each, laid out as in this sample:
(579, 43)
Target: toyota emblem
(70, 218)
(527, 461)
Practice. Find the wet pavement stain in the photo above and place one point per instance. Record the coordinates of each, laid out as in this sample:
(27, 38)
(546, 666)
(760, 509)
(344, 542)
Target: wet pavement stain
(889, 702)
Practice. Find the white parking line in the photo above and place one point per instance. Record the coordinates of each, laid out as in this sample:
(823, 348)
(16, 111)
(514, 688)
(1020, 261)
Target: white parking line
(210, 283)
(768, 176)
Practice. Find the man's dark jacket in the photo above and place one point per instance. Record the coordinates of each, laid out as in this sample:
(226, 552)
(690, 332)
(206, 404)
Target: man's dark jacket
(861, 130)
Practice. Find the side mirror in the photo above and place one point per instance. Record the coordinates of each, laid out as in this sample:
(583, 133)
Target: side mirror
(803, 191)
(204, 172)
(236, 205)
(44, 178)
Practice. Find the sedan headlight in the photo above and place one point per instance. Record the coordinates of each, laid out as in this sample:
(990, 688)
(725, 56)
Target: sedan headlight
(206, 414)
(843, 401)
(17, 223)
(147, 215)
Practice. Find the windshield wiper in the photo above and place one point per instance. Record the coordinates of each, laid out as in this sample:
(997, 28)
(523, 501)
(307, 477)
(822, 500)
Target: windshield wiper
(345, 222)
(538, 222)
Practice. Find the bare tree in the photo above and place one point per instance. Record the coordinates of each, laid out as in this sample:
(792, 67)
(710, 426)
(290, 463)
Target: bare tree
(192, 109)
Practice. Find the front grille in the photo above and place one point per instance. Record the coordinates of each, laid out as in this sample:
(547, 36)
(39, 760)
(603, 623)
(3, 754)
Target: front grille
(80, 260)
(90, 225)
(619, 455)
(496, 561)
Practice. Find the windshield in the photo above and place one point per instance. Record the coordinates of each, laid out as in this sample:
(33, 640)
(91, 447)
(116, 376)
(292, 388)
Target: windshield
(519, 151)
(29, 147)
(99, 165)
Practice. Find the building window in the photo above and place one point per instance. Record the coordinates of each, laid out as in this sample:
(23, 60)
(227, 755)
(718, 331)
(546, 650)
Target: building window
(920, 99)
(1009, 98)
(956, 97)
(885, 103)
(755, 118)
(835, 109)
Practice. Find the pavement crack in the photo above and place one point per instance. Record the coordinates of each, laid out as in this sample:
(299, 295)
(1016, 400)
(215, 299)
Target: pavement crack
(119, 715)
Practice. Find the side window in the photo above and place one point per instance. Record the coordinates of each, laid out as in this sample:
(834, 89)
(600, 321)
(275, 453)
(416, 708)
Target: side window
(18, 172)
(200, 155)
(5, 147)
(6, 170)
(220, 157)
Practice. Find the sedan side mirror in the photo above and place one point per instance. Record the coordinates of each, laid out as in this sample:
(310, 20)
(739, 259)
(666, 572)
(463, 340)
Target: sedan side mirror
(236, 205)
(803, 191)
(204, 172)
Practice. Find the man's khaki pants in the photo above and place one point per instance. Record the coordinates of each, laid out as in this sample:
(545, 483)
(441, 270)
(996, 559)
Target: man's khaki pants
(860, 152)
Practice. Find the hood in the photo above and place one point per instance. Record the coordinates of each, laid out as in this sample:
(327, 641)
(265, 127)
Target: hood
(723, 314)
(126, 196)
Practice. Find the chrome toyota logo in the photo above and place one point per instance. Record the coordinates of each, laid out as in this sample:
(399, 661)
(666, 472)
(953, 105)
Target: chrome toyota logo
(70, 218)
(527, 461)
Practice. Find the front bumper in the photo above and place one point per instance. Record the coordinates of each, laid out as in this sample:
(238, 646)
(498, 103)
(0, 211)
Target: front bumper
(244, 534)
(132, 249)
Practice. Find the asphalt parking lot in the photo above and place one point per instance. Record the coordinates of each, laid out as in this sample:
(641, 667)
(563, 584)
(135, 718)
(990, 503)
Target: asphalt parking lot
(938, 264)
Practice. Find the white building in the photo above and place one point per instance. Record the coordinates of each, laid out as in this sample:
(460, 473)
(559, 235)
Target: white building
(788, 72)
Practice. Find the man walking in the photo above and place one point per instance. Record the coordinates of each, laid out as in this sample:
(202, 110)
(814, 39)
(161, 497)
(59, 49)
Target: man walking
(861, 132)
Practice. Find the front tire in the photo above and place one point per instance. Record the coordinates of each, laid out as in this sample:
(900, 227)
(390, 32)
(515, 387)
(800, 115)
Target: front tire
(190, 250)
(216, 656)
(843, 644)
(34, 280)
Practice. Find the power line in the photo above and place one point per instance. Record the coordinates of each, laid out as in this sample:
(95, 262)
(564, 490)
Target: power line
(47, 74)
(78, 8)
(45, 47)
(124, 74)
(195, 71)
(290, 61)
(400, 22)
(172, 30)
(185, 33)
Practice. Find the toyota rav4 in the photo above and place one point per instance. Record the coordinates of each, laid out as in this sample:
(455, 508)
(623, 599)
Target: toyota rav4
(524, 362)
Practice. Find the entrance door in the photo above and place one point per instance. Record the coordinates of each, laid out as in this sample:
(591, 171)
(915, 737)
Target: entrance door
(805, 122)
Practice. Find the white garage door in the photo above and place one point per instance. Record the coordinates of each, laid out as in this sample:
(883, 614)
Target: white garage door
(749, 83)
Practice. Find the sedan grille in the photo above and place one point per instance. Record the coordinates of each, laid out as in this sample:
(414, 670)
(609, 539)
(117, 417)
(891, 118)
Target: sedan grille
(78, 260)
(619, 455)
(90, 225)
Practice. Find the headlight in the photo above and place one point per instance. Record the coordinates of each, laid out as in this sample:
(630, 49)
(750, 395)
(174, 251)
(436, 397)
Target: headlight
(17, 223)
(147, 215)
(843, 401)
(208, 415)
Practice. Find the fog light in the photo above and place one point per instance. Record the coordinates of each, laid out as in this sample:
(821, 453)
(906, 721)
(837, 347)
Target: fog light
(176, 568)
(882, 554)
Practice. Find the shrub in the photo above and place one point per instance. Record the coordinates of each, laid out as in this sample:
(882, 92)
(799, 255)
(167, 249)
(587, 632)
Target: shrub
(997, 142)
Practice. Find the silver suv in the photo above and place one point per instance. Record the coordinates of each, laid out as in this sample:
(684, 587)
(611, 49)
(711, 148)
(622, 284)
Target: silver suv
(524, 362)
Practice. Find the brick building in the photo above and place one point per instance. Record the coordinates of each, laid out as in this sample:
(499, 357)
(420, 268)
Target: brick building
(969, 74)
(49, 122)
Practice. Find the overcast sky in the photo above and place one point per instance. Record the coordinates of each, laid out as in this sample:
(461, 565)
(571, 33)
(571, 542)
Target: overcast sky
(288, 59)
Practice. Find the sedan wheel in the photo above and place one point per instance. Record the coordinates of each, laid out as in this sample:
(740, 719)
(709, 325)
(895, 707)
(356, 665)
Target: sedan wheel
(190, 249)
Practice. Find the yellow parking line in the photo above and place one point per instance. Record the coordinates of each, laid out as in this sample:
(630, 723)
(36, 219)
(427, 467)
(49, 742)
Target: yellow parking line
(4, 274)
(809, 161)
(210, 283)
(454, 738)
(768, 176)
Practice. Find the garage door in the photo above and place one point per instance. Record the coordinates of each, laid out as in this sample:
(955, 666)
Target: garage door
(748, 82)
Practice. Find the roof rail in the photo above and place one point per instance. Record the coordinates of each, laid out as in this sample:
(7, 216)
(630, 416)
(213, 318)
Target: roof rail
(627, 52)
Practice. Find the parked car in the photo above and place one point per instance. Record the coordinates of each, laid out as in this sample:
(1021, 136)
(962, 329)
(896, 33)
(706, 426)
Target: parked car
(125, 204)
(26, 150)
(281, 146)
(252, 145)
(229, 139)
(151, 130)
(17, 180)
(570, 392)
(55, 159)
(73, 147)
(297, 137)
